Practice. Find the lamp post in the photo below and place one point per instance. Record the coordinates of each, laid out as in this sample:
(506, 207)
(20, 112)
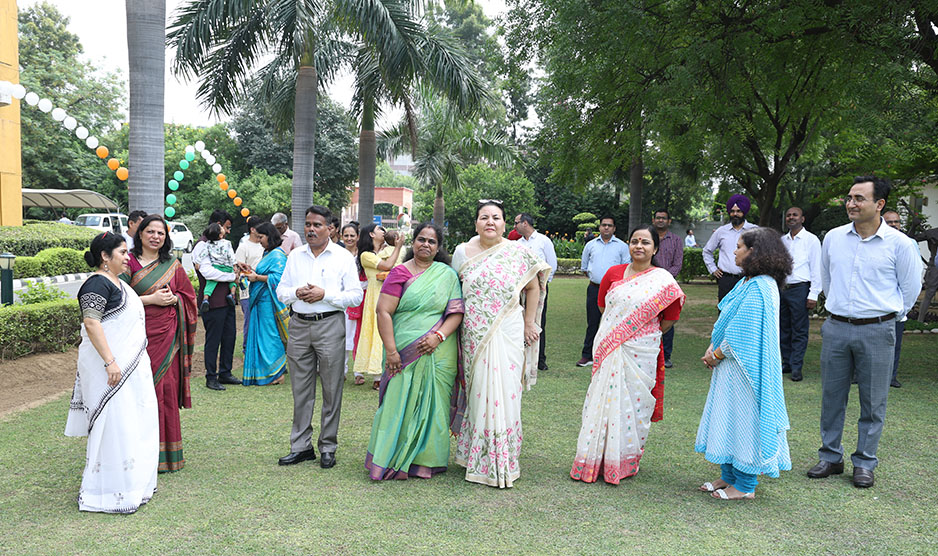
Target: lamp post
(6, 278)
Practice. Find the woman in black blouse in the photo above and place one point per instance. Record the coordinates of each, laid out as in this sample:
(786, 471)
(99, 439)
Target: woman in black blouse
(113, 403)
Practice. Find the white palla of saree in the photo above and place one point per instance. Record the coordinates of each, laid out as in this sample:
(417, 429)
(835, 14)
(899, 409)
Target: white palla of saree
(120, 422)
(498, 366)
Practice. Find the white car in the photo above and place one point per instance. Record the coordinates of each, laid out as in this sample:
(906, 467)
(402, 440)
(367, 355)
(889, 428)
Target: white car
(181, 236)
(103, 222)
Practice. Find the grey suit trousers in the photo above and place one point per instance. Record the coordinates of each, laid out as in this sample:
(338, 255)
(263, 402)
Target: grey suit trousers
(867, 352)
(316, 349)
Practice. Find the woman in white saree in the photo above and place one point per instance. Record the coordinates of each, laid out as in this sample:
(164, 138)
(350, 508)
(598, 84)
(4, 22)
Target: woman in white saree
(114, 402)
(499, 346)
(639, 302)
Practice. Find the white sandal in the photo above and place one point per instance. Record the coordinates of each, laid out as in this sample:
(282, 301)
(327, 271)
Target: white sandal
(721, 494)
(707, 487)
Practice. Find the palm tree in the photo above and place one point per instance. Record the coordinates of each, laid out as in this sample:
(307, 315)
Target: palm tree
(146, 36)
(425, 56)
(446, 142)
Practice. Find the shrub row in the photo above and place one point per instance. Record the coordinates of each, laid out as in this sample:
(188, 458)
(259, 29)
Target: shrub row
(54, 326)
(693, 267)
(28, 240)
(54, 261)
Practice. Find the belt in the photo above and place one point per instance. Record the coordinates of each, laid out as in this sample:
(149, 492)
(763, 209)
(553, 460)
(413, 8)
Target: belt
(871, 320)
(592, 283)
(796, 284)
(315, 316)
(732, 275)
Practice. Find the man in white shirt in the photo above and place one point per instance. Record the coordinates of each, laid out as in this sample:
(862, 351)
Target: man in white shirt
(319, 283)
(724, 239)
(894, 221)
(133, 220)
(799, 296)
(249, 253)
(543, 247)
(289, 240)
(689, 240)
(871, 276)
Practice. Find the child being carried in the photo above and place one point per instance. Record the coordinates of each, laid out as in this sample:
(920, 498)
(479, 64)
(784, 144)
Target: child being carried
(222, 257)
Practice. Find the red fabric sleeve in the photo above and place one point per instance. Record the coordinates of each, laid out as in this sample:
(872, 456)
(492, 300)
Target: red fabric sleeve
(613, 275)
(672, 311)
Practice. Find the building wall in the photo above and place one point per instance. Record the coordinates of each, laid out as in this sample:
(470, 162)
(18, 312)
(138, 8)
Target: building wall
(929, 210)
(11, 169)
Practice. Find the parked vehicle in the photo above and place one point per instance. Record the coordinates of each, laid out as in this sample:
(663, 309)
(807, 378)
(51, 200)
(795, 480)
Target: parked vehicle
(181, 236)
(103, 221)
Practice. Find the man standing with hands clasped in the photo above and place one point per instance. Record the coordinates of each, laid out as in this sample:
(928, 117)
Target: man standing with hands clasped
(724, 239)
(598, 256)
(799, 296)
(871, 276)
(319, 282)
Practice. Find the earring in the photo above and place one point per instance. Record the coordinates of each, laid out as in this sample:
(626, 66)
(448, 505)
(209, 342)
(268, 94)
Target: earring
(106, 269)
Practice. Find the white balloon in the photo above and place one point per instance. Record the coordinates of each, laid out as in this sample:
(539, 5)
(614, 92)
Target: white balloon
(45, 105)
(81, 133)
(19, 91)
(32, 99)
(199, 145)
(69, 123)
(190, 149)
(210, 160)
(216, 168)
(205, 153)
(58, 114)
(92, 142)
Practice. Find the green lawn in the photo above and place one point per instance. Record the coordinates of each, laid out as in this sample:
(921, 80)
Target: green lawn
(233, 498)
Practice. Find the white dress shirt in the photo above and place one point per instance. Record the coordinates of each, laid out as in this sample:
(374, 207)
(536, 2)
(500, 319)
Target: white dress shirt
(543, 247)
(690, 241)
(805, 251)
(129, 239)
(872, 277)
(724, 238)
(333, 270)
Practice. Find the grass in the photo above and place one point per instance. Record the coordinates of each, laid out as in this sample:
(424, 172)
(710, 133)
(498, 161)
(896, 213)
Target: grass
(232, 498)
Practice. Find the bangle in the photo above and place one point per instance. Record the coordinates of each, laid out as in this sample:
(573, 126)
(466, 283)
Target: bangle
(719, 357)
(109, 363)
(440, 335)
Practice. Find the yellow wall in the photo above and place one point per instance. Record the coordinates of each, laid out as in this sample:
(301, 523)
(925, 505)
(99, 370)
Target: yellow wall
(11, 168)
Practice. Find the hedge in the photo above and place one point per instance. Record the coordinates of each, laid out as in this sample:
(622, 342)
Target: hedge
(54, 261)
(54, 326)
(30, 239)
(693, 267)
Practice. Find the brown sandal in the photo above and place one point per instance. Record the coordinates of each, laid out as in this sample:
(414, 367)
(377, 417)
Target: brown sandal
(376, 385)
(359, 380)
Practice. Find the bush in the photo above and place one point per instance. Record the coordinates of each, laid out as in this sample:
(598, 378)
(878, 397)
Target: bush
(568, 266)
(693, 266)
(54, 261)
(54, 326)
(567, 248)
(40, 292)
(28, 240)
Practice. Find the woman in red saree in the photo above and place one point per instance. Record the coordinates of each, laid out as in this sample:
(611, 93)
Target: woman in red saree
(169, 304)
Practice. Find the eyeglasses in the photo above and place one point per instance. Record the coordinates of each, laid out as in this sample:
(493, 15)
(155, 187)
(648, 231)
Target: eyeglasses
(492, 201)
(857, 200)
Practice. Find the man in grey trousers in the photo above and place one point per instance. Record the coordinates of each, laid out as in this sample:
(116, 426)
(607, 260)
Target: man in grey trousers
(871, 275)
(319, 282)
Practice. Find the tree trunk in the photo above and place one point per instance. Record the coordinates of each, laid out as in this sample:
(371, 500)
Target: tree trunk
(304, 140)
(367, 160)
(636, 176)
(768, 213)
(438, 206)
(146, 51)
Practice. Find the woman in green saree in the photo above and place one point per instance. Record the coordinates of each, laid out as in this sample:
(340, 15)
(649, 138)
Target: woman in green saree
(419, 309)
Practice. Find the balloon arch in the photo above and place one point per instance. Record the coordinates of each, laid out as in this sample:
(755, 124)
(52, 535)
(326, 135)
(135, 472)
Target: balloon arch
(45, 105)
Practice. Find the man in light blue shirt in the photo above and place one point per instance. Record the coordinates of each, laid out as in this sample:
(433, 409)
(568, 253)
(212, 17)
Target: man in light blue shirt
(598, 256)
(871, 275)
(724, 239)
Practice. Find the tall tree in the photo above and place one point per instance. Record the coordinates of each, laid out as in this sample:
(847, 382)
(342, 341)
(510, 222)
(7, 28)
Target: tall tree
(146, 37)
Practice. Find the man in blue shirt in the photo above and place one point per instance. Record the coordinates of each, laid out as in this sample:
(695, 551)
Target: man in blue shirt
(871, 275)
(599, 254)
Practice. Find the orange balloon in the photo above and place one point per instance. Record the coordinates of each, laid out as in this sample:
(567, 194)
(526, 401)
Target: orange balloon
(223, 185)
(101, 151)
(220, 178)
(238, 201)
(245, 212)
(113, 164)
(232, 193)
(122, 173)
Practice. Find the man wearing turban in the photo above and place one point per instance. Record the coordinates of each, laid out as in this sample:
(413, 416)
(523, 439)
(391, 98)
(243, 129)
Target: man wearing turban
(724, 239)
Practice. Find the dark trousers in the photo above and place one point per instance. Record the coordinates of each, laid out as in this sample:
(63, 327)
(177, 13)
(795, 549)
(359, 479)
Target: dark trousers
(900, 328)
(725, 283)
(220, 331)
(667, 342)
(541, 356)
(793, 326)
(592, 319)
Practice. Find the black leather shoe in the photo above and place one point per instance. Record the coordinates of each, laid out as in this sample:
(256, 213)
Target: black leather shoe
(327, 461)
(862, 478)
(542, 366)
(213, 384)
(796, 377)
(825, 469)
(297, 457)
(895, 384)
(668, 364)
(229, 379)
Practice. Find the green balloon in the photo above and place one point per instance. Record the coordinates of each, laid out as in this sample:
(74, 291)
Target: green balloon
(178, 175)
(190, 156)
(184, 164)
(173, 185)
(171, 199)
(169, 212)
